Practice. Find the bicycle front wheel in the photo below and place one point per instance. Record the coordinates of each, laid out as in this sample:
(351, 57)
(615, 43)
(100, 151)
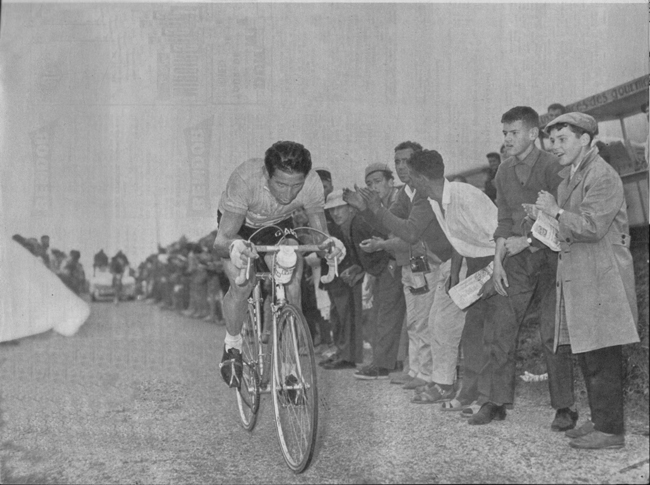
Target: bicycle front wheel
(248, 394)
(295, 394)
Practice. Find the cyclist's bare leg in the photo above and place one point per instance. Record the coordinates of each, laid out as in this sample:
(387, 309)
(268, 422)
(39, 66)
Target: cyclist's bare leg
(235, 301)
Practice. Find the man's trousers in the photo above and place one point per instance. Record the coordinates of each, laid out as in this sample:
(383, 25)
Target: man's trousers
(527, 273)
(386, 329)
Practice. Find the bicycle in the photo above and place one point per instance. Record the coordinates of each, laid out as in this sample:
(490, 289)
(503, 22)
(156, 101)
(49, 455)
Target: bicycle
(289, 364)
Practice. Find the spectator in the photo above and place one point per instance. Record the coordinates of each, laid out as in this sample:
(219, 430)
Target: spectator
(326, 179)
(345, 289)
(58, 257)
(100, 260)
(46, 252)
(389, 306)
(529, 268)
(494, 160)
(555, 110)
(73, 274)
(593, 227)
(469, 221)
(322, 297)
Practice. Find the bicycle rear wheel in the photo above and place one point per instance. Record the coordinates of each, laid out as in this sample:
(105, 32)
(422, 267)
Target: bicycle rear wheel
(248, 394)
(295, 394)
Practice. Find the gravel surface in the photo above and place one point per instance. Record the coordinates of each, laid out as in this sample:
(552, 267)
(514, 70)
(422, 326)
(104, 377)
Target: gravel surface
(135, 397)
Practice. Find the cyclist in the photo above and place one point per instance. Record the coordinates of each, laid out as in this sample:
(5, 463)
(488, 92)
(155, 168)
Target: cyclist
(119, 264)
(258, 193)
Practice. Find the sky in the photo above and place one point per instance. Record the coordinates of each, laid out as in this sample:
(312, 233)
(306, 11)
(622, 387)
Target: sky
(122, 122)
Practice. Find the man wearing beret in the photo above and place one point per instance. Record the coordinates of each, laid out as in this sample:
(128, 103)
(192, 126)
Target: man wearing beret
(523, 268)
(596, 308)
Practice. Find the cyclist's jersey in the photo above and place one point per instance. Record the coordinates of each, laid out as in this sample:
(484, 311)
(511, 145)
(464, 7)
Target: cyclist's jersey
(247, 193)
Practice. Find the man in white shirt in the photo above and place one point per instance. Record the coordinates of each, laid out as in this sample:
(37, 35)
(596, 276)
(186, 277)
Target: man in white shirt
(468, 218)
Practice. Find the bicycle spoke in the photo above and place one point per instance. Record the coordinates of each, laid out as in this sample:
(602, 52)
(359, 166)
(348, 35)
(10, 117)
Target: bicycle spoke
(248, 395)
(295, 394)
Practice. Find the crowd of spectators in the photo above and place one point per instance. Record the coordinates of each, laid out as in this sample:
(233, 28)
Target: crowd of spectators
(185, 277)
(406, 247)
(66, 266)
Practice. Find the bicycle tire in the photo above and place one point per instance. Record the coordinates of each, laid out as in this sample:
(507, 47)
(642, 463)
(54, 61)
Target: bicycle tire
(296, 408)
(248, 394)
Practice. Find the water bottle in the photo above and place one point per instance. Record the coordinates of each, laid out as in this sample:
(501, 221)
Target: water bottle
(285, 262)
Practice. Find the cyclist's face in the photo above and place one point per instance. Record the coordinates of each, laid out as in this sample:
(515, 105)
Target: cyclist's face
(285, 186)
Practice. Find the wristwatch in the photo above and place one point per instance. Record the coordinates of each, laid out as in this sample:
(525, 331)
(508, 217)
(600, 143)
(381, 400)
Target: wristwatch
(559, 213)
(529, 238)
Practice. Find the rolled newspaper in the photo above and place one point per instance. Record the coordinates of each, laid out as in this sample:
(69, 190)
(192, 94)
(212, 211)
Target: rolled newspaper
(466, 292)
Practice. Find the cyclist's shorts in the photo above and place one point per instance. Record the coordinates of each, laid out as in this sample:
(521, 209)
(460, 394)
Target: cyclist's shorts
(269, 236)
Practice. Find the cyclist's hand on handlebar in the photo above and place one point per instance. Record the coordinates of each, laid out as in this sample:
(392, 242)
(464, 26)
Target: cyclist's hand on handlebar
(241, 251)
(336, 249)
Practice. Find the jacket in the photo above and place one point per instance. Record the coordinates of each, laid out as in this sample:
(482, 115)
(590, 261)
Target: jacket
(595, 275)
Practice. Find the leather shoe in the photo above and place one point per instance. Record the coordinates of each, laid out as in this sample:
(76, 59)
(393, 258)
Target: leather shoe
(565, 419)
(401, 379)
(597, 440)
(327, 361)
(487, 413)
(414, 383)
(583, 430)
(340, 364)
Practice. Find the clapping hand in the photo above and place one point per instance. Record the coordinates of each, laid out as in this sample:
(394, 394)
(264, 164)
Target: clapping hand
(354, 199)
(370, 197)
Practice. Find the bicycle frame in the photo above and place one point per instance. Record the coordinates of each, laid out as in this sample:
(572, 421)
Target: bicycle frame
(292, 379)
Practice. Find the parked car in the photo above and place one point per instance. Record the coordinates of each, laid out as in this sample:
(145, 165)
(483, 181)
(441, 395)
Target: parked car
(101, 285)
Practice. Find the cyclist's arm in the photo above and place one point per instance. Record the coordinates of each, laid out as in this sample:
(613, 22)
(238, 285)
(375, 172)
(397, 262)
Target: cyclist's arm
(229, 226)
(317, 221)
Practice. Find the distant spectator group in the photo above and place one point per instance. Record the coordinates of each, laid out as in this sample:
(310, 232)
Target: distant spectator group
(185, 277)
(66, 266)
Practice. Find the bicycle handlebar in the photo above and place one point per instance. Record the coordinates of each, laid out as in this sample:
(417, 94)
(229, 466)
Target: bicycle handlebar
(242, 277)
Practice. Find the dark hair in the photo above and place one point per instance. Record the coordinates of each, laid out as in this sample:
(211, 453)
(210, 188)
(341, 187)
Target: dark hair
(527, 115)
(557, 106)
(288, 156)
(74, 254)
(413, 145)
(494, 155)
(428, 163)
(44, 236)
(324, 174)
(575, 129)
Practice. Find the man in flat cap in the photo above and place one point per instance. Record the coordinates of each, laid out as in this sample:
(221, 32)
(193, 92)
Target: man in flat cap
(596, 308)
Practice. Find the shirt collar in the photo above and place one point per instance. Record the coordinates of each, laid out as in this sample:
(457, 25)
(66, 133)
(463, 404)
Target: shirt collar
(409, 191)
(446, 193)
(588, 156)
